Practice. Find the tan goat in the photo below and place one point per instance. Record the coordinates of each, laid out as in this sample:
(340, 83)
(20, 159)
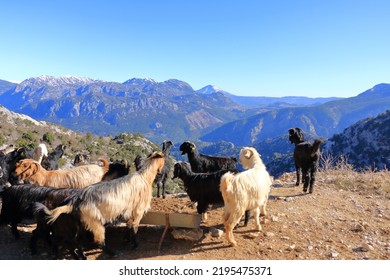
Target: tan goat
(78, 177)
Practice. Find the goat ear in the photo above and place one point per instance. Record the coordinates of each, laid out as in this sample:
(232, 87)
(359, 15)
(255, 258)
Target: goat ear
(248, 153)
(300, 134)
(35, 167)
(193, 146)
(21, 151)
(156, 155)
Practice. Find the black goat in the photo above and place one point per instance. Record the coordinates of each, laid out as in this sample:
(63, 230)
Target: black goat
(201, 163)
(306, 156)
(18, 202)
(81, 159)
(8, 163)
(202, 188)
(116, 169)
(162, 177)
(138, 162)
(65, 232)
(50, 162)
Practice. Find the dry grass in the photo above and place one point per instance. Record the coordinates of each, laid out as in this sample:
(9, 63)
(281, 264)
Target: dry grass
(340, 174)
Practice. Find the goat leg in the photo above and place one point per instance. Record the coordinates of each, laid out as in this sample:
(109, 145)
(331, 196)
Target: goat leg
(159, 185)
(14, 230)
(298, 172)
(201, 208)
(163, 190)
(33, 242)
(133, 238)
(311, 188)
(305, 174)
(247, 216)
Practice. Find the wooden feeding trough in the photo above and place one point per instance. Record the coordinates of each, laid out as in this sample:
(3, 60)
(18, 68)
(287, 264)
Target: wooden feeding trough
(173, 220)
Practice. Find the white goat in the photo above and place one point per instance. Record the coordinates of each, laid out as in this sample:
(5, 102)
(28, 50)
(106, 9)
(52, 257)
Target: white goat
(39, 152)
(123, 199)
(243, 191)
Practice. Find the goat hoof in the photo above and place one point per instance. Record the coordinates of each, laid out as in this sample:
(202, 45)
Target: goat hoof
(304, 190)
(297, 184)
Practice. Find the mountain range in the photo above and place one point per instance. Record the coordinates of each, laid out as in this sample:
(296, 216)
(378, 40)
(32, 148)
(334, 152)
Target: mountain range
(322, 120)
(219, 122)
(158, 110)
(174, 110)
(171, 109)
(276, 102)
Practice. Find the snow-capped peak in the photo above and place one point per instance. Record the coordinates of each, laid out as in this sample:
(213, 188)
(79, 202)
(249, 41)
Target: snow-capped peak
(57, 81)
(209, 89)
(139, 81)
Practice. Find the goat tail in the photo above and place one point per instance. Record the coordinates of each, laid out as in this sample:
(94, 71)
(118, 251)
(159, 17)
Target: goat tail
(106, 164)
(316, 147)
(226, 182)
(56, 212)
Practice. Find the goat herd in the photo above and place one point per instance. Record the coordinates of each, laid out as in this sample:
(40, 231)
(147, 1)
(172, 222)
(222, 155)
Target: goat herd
(74, 205)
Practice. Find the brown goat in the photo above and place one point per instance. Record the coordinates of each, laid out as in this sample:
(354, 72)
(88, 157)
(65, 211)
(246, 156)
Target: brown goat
(78, 177)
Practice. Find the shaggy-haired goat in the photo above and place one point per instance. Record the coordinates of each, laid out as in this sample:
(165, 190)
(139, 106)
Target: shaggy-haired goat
(247, 190)
(124, 199)
(77, 177)
(201, 163)
(306, 156)
(18, 201)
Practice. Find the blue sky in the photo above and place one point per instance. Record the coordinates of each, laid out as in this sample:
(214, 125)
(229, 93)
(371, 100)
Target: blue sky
(248, 47)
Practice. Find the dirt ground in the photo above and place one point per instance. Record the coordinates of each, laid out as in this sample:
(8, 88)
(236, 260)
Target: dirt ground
(331, 223)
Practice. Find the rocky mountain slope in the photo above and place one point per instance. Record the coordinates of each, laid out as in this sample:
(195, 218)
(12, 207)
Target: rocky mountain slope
(170, 109)
(365, 144)
(322, 120)
(5, 86)
(159, 110)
